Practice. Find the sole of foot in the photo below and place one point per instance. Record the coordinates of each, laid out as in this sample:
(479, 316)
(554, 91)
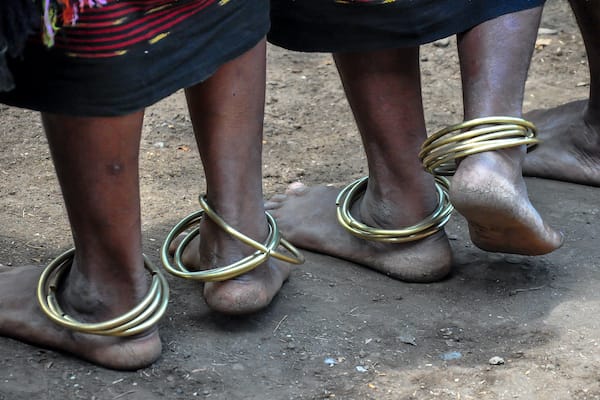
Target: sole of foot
(497, 208)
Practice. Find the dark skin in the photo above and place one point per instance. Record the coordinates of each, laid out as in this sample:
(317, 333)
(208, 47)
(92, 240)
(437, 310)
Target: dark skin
(488, 188)
(570, 150)
(226, 111)
(383, 89)
(96, 161)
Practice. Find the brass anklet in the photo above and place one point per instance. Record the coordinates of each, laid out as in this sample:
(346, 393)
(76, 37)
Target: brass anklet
(441, 150)
(428, 226)
(246, 264)
(141, 318)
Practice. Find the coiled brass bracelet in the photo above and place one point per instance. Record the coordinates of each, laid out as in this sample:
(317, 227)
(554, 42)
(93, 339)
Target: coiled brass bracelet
(440, 151)
(428, 226)
(141, 318)
(262, 253)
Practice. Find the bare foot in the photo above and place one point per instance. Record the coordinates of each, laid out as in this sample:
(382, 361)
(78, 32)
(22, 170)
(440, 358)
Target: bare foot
(307, 218)
(21, 318)
(570, 148)
(244, 294)
(489, 191)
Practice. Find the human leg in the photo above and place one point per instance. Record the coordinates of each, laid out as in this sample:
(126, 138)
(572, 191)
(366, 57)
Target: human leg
(227, 115)
(570, 133)
(96, 160)
(383, 88)
(488, 188)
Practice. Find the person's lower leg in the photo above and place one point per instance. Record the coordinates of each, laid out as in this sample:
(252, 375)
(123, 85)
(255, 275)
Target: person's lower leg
(384, 92)
(570, 150)
(96, 160)
(383, 89)
(494, 59)
(587, 14)
(96, 163)
(227, 114)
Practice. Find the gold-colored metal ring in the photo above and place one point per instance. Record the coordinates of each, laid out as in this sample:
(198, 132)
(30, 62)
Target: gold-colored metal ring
(441, 150)
(246, 264)
(428, 226)
(139, 319)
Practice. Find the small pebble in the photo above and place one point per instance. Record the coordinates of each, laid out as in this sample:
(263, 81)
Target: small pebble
(442, 42)
(496, 360)
(453, 355)
(547, 31)
(330, 361)
(408, 340)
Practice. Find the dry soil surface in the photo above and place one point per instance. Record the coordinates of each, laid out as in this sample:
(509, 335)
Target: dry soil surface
(336, 330)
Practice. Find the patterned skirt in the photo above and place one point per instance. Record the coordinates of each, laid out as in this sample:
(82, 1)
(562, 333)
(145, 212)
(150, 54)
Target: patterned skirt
(128, 54)
(362, 25)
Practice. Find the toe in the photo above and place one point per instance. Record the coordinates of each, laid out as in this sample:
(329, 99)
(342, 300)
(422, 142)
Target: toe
(278, 198)
(275, 202)
(297, 188)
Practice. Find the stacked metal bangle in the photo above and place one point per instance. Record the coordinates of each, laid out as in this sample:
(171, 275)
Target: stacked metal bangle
(262, 253)
(428, 226)
(439, 154)
(441, 150)
(141, 318)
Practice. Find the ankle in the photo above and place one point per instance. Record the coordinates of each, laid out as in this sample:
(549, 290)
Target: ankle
(381, 208)
(218, 246)
(508, 158)
(103, 295)
(247, 217)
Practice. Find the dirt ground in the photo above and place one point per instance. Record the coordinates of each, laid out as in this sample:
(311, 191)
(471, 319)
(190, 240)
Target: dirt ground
(336, 330)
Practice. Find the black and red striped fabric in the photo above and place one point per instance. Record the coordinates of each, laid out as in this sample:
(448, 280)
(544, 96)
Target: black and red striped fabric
(128, 54)
(111, 30)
